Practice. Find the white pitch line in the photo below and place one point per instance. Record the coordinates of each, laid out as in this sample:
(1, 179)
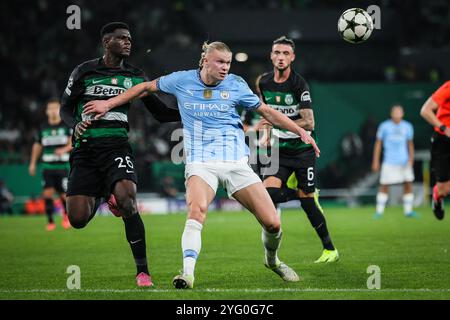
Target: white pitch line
(217, 290)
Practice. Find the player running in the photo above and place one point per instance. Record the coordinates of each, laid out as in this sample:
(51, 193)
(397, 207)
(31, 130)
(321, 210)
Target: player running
(286, 91)
(215, 149)
(436, 111)
(102, 162)
(53, 141)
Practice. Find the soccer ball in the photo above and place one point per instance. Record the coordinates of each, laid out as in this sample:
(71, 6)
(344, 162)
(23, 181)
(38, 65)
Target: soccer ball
(355, 25)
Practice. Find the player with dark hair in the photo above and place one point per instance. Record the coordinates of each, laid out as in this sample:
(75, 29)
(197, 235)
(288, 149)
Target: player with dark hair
(285, 90)
(436, 111)
(53, 141)
(101, 163)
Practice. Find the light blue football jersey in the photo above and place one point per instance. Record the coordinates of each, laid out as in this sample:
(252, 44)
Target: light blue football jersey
(395, 139)
(212, 128)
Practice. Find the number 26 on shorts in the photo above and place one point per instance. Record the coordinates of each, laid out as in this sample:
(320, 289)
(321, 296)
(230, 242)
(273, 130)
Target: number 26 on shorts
(124, 163)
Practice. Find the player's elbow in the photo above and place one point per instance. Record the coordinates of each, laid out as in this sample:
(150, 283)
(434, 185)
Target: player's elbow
(146, 87)
(428, 108)
(423, 111)
(150, 86)
(310, 125)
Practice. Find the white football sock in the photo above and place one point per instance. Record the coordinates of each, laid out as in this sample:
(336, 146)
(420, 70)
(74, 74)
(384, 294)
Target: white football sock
(191, 243)
(271, 242)
(408, 201)
(381, 202)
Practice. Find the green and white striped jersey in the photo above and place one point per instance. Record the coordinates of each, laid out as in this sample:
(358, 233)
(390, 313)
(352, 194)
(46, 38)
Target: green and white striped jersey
(289, 98)
(93, 80)
(52, 137)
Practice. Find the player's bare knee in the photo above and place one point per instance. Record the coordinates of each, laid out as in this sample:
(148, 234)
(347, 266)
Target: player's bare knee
(77, 224)
(78, 221)
(273, 225)
(444, 188)
(78, 212)
(126, 205)
(197, 211)
(273, 228)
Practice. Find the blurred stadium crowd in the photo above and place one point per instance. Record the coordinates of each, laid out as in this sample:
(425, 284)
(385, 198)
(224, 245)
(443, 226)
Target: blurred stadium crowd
(38, 53)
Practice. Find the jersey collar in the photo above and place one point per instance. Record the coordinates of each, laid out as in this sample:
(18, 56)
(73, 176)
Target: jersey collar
(207, 85)
(101, 62)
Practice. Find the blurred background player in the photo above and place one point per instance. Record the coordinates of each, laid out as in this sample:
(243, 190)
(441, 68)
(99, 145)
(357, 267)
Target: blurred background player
(285, 90)
(436, 111)
(215, 150)
(6, 199)
(395, 137)
(102, 162)
(54, 142)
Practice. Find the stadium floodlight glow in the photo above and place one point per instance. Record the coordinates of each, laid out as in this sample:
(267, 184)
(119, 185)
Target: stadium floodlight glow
(241, 57)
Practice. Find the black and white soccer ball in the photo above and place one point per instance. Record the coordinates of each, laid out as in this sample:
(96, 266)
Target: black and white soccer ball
(355, 25)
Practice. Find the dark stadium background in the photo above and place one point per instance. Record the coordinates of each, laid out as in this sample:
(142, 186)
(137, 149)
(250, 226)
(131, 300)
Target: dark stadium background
(353, 86)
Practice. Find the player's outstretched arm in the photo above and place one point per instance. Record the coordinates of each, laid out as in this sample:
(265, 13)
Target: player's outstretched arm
(280, 120)
(100, 107)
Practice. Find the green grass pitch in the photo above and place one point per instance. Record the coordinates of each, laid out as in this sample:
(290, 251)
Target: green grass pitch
(412, 255)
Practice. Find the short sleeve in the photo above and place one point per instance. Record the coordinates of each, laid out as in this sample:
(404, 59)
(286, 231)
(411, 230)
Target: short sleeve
(410, 132)
(37, 137)
(72, 94)
(303, 95)
(442, 94)
(74, 86)
(380, 132)
(168, 83)
(247, 99)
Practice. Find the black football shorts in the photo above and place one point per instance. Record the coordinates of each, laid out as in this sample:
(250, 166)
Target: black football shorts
(440, 157)
(304, 166)
(94, 170)
(55, 178)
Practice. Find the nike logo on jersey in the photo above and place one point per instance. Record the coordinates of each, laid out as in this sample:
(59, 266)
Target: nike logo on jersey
(96, 81)
(130, 171)
(133, 242)
(190, 92)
